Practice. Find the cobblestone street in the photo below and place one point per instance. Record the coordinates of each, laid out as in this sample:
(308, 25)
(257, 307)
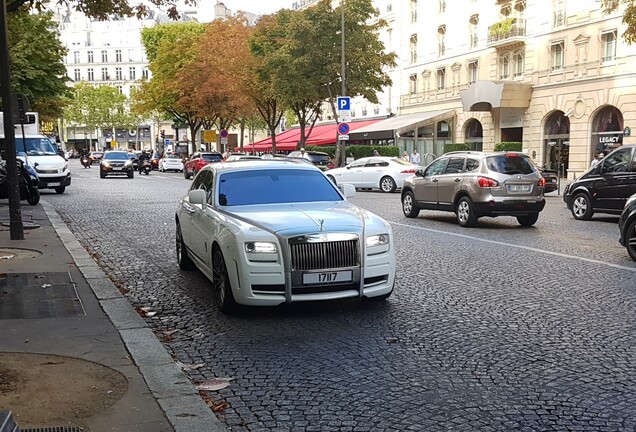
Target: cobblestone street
(495, 328)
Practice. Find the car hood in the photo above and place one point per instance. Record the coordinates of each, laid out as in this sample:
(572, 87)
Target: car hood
(293, 218)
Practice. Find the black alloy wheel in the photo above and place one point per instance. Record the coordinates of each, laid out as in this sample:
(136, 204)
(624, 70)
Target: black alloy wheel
(221, 283)
(409, 207)
(582, 207)
(630, 239)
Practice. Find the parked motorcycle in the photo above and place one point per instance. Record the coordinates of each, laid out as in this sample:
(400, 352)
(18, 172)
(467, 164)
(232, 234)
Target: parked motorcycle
(145, 167)
(85, 161)
(27, 183)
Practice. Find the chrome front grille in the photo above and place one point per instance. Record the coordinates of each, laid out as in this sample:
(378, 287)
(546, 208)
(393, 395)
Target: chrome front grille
(318, 255)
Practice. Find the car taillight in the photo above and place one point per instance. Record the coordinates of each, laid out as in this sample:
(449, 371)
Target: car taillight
(408, 171)
(487, 182)
(541, 182)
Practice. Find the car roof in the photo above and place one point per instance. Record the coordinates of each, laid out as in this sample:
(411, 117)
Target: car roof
(260, 164)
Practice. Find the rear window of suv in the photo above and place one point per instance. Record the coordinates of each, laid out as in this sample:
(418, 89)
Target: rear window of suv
(510, 164)
(212, 157)
(316, 158)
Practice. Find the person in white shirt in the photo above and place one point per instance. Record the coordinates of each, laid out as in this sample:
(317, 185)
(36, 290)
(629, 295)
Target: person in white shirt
(597, 159)
(415, 157)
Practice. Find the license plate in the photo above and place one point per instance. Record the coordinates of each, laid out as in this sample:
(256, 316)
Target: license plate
(327, 277)
(52, 184)
(553, 180)
(518, 188)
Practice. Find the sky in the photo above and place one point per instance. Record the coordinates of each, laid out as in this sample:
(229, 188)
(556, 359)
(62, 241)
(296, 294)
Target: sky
(261, 7)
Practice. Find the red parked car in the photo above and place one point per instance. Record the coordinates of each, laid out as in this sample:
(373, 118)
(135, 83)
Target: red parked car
(198, 160)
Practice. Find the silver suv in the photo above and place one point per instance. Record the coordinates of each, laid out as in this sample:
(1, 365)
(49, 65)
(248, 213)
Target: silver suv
(476, 184)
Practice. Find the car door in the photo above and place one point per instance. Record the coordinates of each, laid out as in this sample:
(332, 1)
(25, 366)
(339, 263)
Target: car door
(426, 184)
(373, 171)
(203, 219)
(450, 181)
(615, 183)
(352, 173)
(187, 217)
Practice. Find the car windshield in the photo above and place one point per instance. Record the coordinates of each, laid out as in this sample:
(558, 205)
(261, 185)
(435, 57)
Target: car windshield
(510, 164)
(116, 156)
(275, 186)
(211, 157)
(171, 156)
(34, 146)
(316, 158)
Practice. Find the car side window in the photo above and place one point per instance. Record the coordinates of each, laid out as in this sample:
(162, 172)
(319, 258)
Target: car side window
(376, 163)
(357, 164)
(209, 187)
(436, 168)
(472, 164)
(617, 162)
(199, 181)
(633, 168)
(455, 166)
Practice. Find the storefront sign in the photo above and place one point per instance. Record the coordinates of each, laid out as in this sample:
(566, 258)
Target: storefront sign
(610, 139)
(511, 118)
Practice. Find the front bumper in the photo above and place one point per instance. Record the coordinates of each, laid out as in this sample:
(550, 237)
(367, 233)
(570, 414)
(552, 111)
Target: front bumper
(117, 170)
(54, 181)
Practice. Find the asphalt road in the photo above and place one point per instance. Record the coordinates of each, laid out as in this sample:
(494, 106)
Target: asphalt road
(494, 328)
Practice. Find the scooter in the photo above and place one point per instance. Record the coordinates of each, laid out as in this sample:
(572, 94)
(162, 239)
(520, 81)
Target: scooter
(27, 184)
(145, 167)
(85, 161)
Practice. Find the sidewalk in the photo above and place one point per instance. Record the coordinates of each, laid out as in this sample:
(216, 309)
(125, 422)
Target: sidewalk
(57, 301)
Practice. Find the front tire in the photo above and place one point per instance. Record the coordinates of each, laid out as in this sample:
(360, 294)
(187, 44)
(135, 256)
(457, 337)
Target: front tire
(582, 207)
(184, 261)
(387, 184)
(60, 189)
(221, 283)
(528, 220)
(33, 197)
(630, 240)
(131, 174)
(466, 216)
(409, 206)
(186, 175)
(102, 175)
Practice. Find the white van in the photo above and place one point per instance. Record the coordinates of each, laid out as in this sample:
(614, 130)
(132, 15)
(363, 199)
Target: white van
(40, 153)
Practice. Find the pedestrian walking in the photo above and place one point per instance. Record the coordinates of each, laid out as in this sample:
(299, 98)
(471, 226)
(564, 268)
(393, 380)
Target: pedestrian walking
(415, 157)
(405, 156)
(376, 152)
(597, 159)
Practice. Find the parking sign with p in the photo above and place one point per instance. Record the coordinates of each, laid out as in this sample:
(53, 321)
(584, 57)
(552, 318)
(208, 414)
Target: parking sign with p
(344, 103)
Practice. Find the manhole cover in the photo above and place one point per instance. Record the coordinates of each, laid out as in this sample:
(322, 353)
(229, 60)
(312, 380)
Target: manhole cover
(16, 254)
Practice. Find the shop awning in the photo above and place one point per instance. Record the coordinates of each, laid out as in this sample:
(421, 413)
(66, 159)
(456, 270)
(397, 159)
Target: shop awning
(322, 134)
(486, 95)
(393, 126)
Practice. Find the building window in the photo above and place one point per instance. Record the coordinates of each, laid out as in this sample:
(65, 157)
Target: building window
(76, 57)
(504, 66)
(557, 55)
(89, 42)
(474, 31)
(389, 8)
(104, 56)
(413, 84)
(609, 45)
(118, 74)
(413, 46)
(441, 78)
(91, 75)
(144, 73)
(90, 56)
(442, 6)
(76, 73)
(132, 71)
(413, 11)
(118, 56)
(441, 41)
(559, 13)
(121, 89)
(473, 72)
(518, 60)
(105, 76)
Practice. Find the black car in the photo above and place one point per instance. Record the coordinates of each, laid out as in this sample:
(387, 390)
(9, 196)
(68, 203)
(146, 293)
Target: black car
(551, 179)
(605, 187)
(116, 163)
(319, 159)
(627, 226)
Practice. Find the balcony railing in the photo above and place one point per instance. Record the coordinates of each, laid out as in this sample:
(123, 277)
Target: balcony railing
(502, 34)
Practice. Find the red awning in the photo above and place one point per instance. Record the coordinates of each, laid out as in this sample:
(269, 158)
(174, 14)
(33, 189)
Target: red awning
(323, 134)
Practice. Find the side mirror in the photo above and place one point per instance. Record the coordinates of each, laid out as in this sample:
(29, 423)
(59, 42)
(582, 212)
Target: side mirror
(348, 190)
(419, 173)
(197, 196)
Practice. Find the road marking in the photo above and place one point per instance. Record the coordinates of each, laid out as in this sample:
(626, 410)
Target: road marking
(528, 248)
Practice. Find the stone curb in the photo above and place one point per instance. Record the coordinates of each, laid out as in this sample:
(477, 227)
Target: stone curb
(169, 385)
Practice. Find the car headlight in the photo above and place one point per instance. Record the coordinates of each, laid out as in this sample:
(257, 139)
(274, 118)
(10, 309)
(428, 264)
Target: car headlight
(260, 247)
(128, 163)
(105, 164)
(377, 240)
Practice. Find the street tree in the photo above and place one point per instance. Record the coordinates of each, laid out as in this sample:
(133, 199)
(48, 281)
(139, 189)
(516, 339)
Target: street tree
(82, 109)
(629, 16)
(37, 67)
(174, 48)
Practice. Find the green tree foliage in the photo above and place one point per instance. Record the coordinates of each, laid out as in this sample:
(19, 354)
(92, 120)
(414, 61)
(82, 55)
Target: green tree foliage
(629, 16)
(37, 68)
